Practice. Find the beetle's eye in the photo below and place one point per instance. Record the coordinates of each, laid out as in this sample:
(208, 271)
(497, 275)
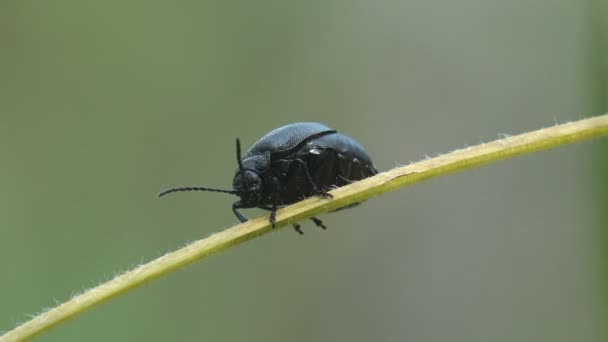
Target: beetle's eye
(252, 180)
(247, 181)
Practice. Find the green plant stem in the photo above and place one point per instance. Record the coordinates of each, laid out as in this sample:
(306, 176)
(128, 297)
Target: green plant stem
(384, 182)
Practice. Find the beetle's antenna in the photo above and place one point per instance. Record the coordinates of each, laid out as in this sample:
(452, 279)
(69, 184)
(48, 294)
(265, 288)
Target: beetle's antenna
(195, 188)
(238, 154)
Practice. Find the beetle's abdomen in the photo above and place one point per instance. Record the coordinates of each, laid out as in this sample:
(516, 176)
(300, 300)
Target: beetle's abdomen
(333, 160)
(338, 160)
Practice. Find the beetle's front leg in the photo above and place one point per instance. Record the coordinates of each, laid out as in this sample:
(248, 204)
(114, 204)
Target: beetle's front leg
(295, 226)
(276, 191)
(235, 206)
(273, 215)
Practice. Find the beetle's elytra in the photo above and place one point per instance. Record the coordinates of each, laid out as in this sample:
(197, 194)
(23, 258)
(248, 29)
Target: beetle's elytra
(291, 163)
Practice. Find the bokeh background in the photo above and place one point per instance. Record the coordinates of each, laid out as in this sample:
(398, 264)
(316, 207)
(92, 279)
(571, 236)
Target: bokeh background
(104, 103)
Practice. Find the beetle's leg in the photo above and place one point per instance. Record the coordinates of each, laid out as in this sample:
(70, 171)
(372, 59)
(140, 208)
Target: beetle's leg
(275, 198)
(236, 205)
(339, 171)
(295, 226)
(318, 222)
(315, 189)
(273, 215)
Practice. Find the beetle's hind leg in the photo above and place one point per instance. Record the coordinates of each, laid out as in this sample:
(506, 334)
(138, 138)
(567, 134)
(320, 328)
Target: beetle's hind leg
(316, 191)
(340, 172)
(323, 194)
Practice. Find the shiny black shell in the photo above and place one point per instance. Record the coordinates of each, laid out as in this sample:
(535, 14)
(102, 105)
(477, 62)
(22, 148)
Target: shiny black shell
(292, 155)
(285, 139)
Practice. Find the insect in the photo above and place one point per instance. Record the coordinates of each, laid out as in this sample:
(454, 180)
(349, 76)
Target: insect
(291, 163)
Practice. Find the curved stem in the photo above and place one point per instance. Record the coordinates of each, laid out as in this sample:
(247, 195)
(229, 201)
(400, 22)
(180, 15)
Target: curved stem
(359, 191)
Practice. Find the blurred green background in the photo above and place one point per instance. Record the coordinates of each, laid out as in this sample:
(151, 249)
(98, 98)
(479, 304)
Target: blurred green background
(102, 104)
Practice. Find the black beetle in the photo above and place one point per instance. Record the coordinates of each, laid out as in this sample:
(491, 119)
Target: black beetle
(291, 163)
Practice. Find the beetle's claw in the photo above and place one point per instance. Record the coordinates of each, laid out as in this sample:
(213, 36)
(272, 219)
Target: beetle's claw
(298, 228)
(325, 194)
(318, 222)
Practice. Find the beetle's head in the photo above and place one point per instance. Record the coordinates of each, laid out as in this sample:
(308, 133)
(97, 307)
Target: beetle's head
(248, 185)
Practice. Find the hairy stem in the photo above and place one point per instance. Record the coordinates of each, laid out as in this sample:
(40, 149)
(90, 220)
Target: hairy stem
(384, 182)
